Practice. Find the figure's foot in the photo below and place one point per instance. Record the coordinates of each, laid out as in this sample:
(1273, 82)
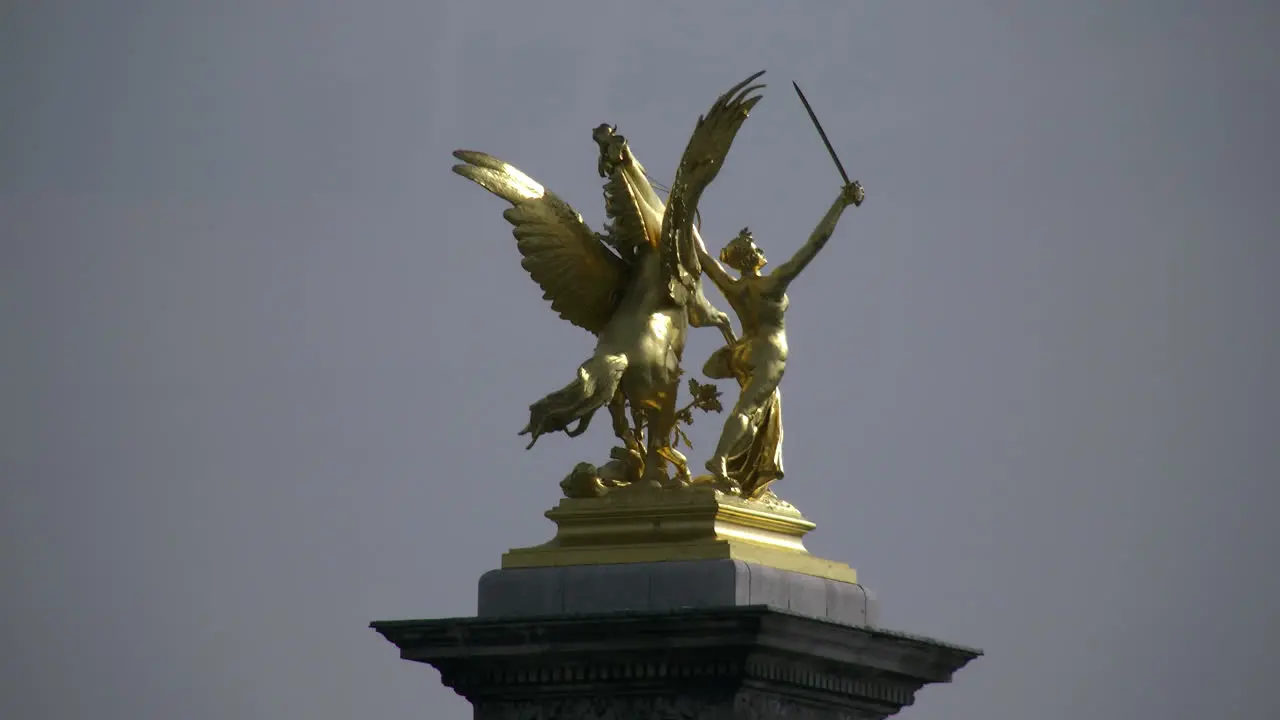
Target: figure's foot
(717, 466)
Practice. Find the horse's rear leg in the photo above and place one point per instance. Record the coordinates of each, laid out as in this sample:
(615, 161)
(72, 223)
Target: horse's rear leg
(677, 458)
(621, 427)
(661, 422)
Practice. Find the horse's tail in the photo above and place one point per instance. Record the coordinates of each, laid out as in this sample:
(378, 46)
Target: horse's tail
(597, 382)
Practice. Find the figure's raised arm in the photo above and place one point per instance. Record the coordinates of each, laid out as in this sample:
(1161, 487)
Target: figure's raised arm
(851, 194)
(711, 266)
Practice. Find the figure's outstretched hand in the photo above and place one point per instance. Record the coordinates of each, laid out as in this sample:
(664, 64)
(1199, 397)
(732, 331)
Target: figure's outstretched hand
(852, 194)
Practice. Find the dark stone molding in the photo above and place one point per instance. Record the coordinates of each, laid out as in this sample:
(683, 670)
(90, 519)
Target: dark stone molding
(746, 705)
(739, 663)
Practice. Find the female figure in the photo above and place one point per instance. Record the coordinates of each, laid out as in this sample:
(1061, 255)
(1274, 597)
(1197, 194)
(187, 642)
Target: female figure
(749, 454)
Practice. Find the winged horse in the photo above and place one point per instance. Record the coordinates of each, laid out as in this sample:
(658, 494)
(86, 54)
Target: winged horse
(637, 287)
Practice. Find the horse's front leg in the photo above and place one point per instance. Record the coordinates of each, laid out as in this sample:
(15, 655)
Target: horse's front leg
(703, 314)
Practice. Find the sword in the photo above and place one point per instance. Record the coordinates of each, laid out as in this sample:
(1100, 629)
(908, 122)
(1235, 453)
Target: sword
(822, 134)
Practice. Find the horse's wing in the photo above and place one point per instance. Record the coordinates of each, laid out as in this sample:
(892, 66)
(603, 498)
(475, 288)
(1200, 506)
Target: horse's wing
(703, 157)
(581, 277)
(635, 220)
(633, 210)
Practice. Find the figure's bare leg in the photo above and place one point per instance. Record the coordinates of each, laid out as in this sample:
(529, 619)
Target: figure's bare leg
(736, 428)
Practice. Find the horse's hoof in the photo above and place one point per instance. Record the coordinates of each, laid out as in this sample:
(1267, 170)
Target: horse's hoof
(682, 479)
(654, 479)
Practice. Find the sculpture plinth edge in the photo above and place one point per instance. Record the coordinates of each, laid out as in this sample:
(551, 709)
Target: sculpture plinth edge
(697, 523)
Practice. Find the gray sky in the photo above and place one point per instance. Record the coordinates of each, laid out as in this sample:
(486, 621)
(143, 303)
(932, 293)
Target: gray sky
(265, 357)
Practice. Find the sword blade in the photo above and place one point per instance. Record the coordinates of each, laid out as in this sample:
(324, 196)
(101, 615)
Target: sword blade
(822, 134)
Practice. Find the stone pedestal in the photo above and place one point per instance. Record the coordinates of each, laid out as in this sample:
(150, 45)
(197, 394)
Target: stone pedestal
(681, 606)
(668, 586)
(732, 663)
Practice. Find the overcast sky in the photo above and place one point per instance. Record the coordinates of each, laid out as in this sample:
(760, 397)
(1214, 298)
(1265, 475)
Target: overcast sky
(264, 357)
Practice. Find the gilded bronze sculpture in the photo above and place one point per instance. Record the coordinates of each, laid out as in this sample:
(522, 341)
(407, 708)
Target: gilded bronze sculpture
(668, 596)
(752, 434)
(637, 287)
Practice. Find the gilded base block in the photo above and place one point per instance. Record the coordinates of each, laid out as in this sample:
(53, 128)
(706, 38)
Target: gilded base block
(645, 525)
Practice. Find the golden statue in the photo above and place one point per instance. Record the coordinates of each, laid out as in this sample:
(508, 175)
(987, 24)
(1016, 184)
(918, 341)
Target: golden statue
(638, 298)
(749, 455)
(637, 287)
